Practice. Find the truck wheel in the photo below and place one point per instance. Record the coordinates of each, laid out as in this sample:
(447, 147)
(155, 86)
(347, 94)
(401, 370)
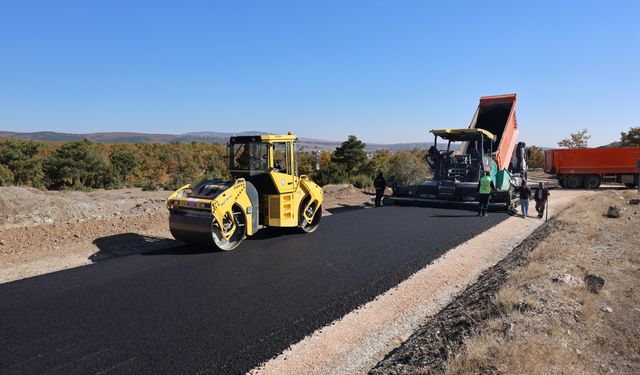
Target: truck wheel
(592, 181)
(573, 181)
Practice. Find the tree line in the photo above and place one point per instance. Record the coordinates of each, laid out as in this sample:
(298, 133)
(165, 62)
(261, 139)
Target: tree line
(349, 163)
(82, 165)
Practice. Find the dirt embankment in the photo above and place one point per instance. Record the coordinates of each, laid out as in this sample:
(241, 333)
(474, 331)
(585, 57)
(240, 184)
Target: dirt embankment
(46, 231)
(534, 313)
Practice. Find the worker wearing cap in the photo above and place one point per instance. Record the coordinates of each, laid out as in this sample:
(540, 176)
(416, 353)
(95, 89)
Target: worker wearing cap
(485, 186)
(541, 196)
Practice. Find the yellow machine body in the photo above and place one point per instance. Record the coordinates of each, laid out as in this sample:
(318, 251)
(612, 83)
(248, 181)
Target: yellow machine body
(266, 191)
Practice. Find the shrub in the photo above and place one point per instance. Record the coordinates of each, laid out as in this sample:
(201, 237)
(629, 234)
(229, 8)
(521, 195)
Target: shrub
(6, 176)
(333, 173)
(361, 181)
(150, 186)
(409, 167)
(75, 164)
(535, 157)
(123, 162)
(24, 161)
(178, 181)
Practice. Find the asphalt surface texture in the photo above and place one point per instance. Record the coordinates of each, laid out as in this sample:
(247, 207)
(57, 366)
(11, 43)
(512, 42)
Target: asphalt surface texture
(188, 310)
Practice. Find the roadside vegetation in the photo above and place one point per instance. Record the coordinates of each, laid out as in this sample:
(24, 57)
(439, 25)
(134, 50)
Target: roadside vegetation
(548, 310)
(83, 165)
(535, 157)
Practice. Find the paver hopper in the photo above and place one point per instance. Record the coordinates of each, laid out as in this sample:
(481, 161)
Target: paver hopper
(489, 144)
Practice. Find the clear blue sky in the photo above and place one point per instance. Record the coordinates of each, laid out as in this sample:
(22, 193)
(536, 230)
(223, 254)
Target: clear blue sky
(387, 71)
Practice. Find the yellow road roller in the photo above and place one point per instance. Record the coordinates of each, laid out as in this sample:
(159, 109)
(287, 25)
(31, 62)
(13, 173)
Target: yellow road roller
(265, 191)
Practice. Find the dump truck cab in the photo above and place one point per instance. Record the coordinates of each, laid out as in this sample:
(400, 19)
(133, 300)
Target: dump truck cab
(265, 191)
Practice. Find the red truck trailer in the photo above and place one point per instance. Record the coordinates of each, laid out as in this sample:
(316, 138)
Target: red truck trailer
(589, 167)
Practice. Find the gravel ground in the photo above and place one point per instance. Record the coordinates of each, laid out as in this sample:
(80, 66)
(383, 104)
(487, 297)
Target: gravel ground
(546, 310)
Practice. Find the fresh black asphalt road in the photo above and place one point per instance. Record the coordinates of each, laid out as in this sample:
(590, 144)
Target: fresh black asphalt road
(190, 311)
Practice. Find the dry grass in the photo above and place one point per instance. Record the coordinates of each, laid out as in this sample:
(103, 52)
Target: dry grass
(553, 328)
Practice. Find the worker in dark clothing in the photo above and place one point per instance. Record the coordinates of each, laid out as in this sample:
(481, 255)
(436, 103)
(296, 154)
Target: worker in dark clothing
(485, 186)
(525, 196)
(380, 184)
(541, 196)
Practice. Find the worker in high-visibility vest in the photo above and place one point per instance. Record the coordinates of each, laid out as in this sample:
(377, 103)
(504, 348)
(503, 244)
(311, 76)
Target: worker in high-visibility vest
(485, 186)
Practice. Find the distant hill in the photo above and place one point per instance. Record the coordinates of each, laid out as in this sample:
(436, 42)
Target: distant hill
(613, 144)
(305, 144)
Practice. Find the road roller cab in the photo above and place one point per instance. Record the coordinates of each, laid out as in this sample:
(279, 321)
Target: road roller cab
(266, 191)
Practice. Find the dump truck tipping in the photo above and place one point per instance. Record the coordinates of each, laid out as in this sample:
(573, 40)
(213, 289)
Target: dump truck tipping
(497, 114)
(489, 144)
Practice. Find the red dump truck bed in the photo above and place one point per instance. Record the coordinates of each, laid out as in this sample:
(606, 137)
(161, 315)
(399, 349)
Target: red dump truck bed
(575, 167)
(497, 114)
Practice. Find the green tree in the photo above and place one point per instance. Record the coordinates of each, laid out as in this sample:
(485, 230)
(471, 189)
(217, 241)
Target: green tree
(333, 173)
(630, 138)
(24, 161)
(75, 164)
(380, 161)
(576, 140)
(350, 154)
(123, 162)
(535, 157)
(215, 169)
(409, 167)
(308, 163)
(6, 176)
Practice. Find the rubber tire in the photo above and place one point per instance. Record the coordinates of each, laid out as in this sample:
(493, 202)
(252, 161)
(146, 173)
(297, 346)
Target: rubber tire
(310, 228)
(630, 185)
(573, 181)
(592, 181)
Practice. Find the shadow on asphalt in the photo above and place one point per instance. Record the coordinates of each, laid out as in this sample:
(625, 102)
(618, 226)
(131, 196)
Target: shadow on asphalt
(467, 215)
(126, 244)
(181, 248)
(346, 208)
(266, 233)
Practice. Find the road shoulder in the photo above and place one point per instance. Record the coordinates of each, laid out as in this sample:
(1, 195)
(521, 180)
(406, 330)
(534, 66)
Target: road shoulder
(362, 338)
